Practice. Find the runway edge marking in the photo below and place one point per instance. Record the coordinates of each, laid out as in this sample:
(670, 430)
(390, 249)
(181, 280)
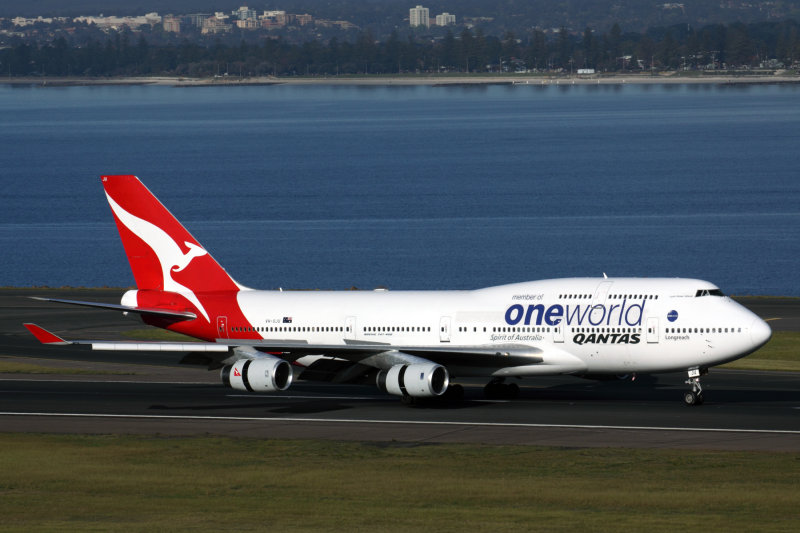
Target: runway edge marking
(399, 422)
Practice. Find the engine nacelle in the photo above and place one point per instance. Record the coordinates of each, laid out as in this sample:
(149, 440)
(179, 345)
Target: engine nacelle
(420, 380)
(264, 374)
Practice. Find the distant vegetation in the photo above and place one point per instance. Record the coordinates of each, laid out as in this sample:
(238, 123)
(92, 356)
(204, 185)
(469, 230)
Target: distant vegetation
(90, 52)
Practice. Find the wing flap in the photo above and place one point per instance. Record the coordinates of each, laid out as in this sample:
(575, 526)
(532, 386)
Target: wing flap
(47, 337)
(484, 355)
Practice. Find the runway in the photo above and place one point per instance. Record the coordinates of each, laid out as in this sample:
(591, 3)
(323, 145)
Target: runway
(743, 410)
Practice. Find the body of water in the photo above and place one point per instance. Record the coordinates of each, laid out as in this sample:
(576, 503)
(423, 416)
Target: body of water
(412, 187)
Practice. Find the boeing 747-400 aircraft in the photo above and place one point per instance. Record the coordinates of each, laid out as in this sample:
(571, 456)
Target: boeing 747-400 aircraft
(413, 344)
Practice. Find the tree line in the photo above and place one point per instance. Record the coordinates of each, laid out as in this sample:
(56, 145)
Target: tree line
(125, 53)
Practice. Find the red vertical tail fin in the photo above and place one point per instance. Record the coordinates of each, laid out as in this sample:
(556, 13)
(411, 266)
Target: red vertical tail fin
(162, 253)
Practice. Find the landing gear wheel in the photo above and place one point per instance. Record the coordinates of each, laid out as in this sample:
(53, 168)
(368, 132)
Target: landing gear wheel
(512, 391)
(694, 396)
(497, 390)
(690, 398)
(699, 400)
(408, 400)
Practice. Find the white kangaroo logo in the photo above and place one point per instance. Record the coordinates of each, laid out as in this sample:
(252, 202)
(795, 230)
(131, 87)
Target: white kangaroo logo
(170, 255)
(194, 251)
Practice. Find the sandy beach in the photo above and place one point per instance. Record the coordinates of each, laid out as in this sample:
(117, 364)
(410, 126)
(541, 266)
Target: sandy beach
(432, 80)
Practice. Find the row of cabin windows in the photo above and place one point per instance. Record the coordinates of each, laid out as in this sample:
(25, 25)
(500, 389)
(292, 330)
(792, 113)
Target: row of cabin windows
(523, 329)
(527, 329)
(531, 329)
(265, 329)
(610, 296)
(704, 330)
(405, 329)
(606, 330)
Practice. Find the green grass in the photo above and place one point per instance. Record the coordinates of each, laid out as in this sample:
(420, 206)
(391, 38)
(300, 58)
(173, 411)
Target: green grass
(10, 367)
(782, 352)
(116, 483)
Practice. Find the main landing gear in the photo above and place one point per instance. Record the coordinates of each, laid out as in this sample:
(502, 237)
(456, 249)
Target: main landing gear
(695, 396)
(497, 390)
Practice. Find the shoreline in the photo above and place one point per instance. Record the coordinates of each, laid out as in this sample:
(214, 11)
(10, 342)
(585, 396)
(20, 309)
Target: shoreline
(433, 80)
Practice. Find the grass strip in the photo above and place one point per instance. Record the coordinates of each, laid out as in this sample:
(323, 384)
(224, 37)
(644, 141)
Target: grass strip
(780, 353)
(123, 483)
(8, 367)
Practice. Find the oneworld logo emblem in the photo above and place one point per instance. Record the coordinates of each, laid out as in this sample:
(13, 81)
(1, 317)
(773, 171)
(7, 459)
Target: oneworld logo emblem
(624, 314)
(672, 316)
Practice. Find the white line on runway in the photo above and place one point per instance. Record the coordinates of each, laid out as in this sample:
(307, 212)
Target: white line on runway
(398, 422)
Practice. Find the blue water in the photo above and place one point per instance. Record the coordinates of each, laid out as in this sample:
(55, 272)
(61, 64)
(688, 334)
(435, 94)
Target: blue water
(412, 187)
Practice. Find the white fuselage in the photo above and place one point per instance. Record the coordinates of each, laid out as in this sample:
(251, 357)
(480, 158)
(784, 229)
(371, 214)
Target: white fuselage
(580, 325)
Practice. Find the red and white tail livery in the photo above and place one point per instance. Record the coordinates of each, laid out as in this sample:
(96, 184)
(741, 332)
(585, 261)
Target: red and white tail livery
(413, 344)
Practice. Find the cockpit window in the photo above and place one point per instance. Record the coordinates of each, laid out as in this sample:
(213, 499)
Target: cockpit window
(708, 292)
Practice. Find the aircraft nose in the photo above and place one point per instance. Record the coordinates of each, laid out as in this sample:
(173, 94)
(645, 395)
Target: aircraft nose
(760, 332)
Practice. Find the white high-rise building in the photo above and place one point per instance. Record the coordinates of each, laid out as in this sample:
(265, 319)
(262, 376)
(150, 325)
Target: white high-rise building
(445, 19)
(419, 16)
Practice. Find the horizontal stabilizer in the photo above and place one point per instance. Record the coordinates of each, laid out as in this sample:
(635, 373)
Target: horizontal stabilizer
(166, 313)
(44, 336)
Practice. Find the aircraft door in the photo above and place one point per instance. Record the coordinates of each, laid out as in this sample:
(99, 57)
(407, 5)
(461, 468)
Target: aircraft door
(558, 332)
(652, 330)
(222, 327)
(444, 329)
(601, 292)
(598, 311)
(350, 328)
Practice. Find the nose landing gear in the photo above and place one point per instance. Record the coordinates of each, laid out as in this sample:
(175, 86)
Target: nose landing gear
(695, 396)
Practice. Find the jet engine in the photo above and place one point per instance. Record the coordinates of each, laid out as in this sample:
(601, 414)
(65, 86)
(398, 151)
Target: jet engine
(420, 380)
(263, 374)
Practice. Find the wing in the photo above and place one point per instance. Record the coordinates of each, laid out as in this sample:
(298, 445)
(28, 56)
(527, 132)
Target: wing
(47, 337)
(350, 358)
(356, 352)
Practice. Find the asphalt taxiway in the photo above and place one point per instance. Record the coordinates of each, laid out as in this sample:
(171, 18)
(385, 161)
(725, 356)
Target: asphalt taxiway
(743, 409)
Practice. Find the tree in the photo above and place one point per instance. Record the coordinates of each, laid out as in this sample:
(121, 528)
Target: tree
(467, 50)
(589, 48)
(614, 42)
(668, 53)
(536, 53)
(563, 48)
(645, 51)
(366, 52)
(393, 53)
(738, 47)
(448, 55)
